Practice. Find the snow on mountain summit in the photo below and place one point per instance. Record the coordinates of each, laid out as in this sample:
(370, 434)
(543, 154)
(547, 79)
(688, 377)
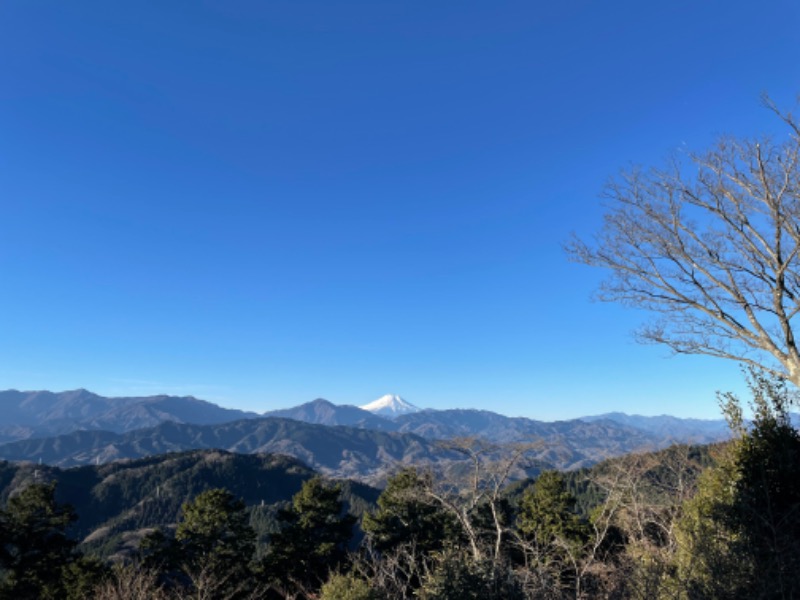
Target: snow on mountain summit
(390, 406)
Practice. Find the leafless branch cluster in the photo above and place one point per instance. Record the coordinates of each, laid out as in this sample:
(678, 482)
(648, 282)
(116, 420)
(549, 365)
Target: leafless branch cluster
(490, 469)
(711, 243)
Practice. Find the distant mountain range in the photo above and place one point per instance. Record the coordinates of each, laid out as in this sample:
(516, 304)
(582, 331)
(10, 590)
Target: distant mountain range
(666, 427)
(648, 432)
(42, 414)
(343, 452)
(340, 441)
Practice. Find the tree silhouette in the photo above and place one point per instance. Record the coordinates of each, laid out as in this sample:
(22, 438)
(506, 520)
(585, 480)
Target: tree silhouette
(741, 532)
(213, 548)
(34, 547)
(313, 539)
(405, 515)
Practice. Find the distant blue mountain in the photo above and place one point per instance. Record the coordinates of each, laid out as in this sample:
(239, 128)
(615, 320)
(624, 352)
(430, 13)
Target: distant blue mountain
(322, 412)
(671, 429)
(92, 428)
(41, 413)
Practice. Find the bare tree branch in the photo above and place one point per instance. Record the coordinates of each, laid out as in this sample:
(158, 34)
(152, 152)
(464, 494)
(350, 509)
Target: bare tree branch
(715, 252)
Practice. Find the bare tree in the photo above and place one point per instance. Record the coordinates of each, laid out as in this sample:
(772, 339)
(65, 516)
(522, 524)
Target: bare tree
(131, 583)
(489, 470)
(711, 243)
(394, 573)
(644, 496)
(206, 584)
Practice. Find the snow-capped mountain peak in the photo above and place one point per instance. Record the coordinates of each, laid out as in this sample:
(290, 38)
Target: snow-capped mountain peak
(390, 406)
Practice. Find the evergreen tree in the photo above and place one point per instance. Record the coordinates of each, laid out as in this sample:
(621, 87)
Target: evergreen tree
(457, 576)
(212, 550)
(82, 576)
(706, 568)
(406, 517)
(547, 512)
(215, 530)
(34, 547)
(552, 535)
(765, 512)
(750, 506)
(313, 539)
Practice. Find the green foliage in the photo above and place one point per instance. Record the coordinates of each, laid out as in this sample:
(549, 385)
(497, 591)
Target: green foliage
(313, 539)
(82, 577)
(765, 505)
(35, 547)
(553, 535)
(547, 512)
(115, 499)
(456, 576)
(742, 530)
(404, 516)
(705, 567)
(347, 587)
(265, 523)
(359, 498)
(215, 531)
(738, 536)
(213, 546)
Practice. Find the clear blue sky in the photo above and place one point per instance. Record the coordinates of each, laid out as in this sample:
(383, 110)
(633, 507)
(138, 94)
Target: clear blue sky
(260, 203)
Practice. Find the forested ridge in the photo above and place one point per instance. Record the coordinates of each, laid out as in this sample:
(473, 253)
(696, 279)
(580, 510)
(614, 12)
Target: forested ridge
(720, 521)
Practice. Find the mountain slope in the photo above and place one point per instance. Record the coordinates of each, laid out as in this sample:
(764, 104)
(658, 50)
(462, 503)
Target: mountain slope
(667, 428)
(49, 412)
(41, 414)
(115, 503)
(499, 428)
(98, 430)
(343, 452)
(322, 412)
(390, 406)
(567, 444)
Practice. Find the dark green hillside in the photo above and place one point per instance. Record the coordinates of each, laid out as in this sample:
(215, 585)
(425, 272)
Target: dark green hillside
(116, 501)
(150, 491)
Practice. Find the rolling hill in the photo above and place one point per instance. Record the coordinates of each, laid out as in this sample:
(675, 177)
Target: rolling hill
(117, 503)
